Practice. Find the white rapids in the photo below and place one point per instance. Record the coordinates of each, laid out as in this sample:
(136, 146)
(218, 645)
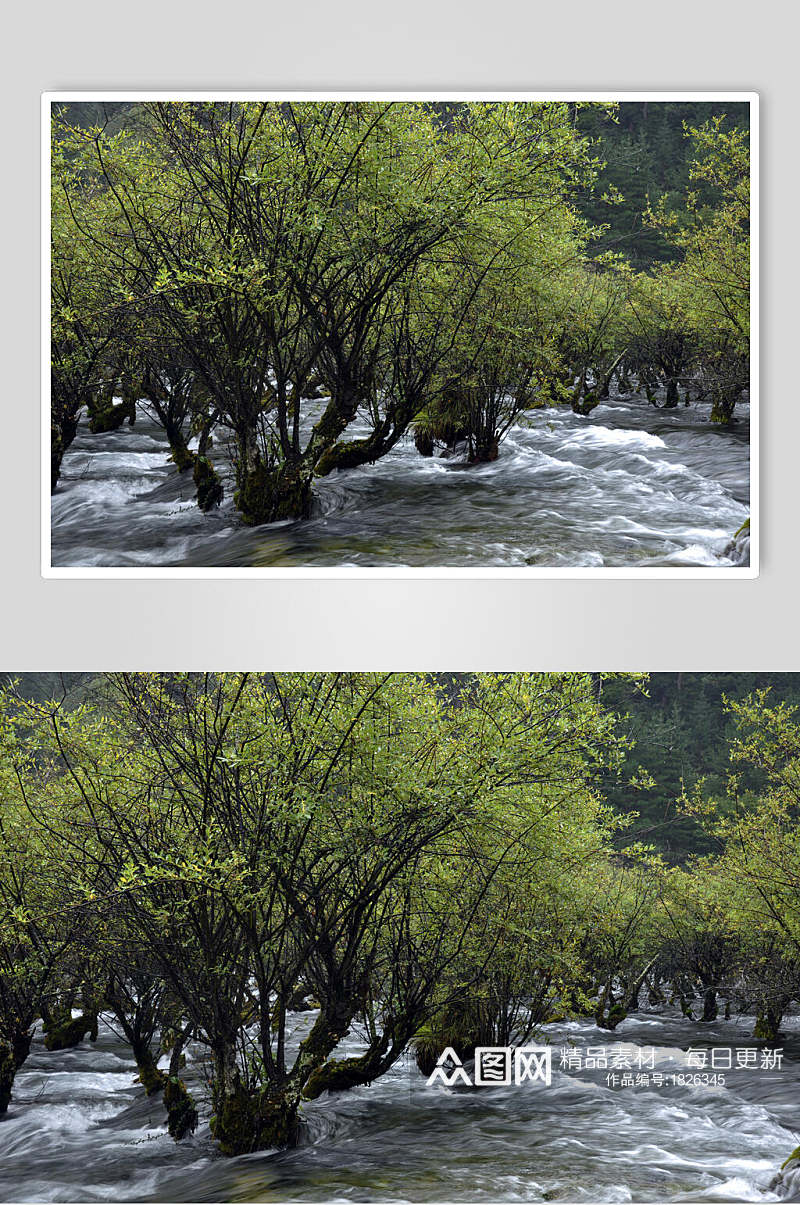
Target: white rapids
(628, 485)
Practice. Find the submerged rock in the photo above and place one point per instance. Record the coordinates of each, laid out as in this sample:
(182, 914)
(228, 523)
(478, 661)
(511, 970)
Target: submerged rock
(786, 1183)
(738, 550)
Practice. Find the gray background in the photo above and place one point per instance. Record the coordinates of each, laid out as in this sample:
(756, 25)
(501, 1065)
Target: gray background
(412, 624)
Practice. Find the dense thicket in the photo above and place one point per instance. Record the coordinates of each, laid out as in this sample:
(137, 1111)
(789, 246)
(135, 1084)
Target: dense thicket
(292, 287)
(681, 727)
(425, 861)
(646, 156)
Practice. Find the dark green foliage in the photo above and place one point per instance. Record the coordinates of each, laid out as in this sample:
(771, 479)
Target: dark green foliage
(681, 734)
(41, 687)
(647, 156)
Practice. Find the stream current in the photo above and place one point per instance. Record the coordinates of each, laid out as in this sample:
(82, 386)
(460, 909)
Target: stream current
(80, 1128)
(629, 485)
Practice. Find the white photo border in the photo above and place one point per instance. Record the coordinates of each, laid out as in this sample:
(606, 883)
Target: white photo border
(532, 572)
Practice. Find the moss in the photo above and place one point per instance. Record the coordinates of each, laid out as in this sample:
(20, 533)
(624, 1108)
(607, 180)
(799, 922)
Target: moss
(150, 1077)
(615, 1016)
(347, 455)
(767, 1024)
(65, 1033)
(105, 415)
(331, 422)
(182, 457)
(209, 486)
(181, 1112)
(8, 1069)
(268, 495)
(586, 404)
(300, 999)
(338, 1075)
(744, 528)
(794, 1155)
(244, 1122)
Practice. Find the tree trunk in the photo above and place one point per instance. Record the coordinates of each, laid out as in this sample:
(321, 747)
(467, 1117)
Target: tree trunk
(334, 420)
(710, 1009)
(149, 1075)
(254, 1119)
(723, 404)
(768, 1023)
(106, 415)
(267, 495)
(339, 1075)
(62, 1033)
(609, 1014)
(485, 450)
(209, 486)
(13, 1054)
(183, 458)
(62, 432)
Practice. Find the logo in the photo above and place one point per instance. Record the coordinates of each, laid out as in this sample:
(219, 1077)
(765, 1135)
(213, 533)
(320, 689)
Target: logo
(495, 1066)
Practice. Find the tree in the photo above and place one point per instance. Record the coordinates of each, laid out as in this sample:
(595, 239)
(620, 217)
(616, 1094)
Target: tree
(37, 929)
(287, 245)
(249, 832)
(83, 323)
(760, 854)
(714, 241)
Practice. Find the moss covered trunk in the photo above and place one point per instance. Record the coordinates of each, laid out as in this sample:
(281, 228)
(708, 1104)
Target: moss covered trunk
(768, 1023)
(266, 1117)
(14, 1050)
(723, 403)
(266, 495)
(710, 1009)
(179, 449)
(62, 432)
(64, 1033)
(339, 1075)
(107, 415)
(149, 1075)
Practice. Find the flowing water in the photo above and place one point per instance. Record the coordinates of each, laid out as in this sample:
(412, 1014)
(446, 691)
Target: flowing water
(80, 1128)
(629, 485)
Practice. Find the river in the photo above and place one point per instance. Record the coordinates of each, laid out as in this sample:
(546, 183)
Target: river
(81, 1128)
(629, 485)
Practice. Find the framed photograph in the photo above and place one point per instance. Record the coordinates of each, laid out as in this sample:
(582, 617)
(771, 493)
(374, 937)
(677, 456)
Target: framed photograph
(406, 335)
